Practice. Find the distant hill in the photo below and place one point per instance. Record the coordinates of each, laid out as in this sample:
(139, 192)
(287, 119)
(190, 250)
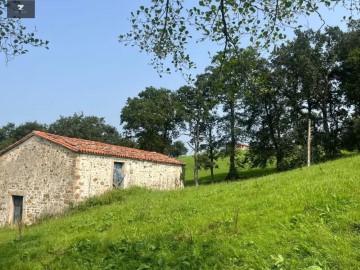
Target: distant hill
(303, 219)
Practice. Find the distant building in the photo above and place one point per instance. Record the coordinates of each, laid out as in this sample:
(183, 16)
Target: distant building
(43, 173)
(242, 146)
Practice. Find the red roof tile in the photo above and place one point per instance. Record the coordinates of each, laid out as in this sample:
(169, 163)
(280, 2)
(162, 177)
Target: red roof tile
(98, 148)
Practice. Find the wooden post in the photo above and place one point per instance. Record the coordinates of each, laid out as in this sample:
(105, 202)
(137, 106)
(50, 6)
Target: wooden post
(309, 143)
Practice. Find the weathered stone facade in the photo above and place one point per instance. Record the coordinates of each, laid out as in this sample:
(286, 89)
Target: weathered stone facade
(50, 177)
(40, 171)
(96, 175)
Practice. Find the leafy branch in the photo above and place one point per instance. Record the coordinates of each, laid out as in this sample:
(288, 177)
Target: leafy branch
(165, 28)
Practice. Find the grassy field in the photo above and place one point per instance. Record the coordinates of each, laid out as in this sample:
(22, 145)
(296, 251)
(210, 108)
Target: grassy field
(220, 172)
(306, 219)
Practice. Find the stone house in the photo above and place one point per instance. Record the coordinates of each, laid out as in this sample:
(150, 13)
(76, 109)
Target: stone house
(43, 173)
(242, 146)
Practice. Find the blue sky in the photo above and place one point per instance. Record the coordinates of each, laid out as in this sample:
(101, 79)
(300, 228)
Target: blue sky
(86, 69)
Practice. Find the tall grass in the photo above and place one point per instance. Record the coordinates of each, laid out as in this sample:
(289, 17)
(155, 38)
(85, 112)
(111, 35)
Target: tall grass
(304, 219)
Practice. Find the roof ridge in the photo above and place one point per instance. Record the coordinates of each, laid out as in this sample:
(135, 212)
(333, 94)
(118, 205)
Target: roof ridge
(48, 136)
(16, 143)
(100, 148)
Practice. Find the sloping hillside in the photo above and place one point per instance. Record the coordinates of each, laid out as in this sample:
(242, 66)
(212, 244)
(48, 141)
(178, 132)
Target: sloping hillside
(220, 171)
(304, 219)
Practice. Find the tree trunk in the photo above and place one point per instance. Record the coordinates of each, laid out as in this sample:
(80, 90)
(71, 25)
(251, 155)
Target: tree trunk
(233, 174)
(330, 147)
(309, 143)
(212, 174)
(279, 160)
(211, 154)
(196, 171)
(196, 151)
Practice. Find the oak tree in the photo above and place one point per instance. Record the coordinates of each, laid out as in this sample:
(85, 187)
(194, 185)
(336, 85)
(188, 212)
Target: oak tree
(153, 119)
(89, 128)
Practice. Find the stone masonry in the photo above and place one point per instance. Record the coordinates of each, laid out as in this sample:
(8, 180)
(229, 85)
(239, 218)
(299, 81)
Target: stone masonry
(50, 177)
(40, 171)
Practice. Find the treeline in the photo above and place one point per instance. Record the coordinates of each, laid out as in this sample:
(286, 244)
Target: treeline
(267, 102)
(78, 126)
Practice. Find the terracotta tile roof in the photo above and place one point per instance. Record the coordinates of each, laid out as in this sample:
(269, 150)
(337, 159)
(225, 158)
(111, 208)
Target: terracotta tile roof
(98, 148)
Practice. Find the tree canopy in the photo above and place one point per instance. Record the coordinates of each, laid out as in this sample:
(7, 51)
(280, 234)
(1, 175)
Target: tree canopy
(165, 28)
(153, 119)
(76, 126)
(10, 133)
(88, 127)
(177, 149)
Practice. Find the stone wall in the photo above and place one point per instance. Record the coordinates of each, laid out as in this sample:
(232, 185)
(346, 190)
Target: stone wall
(50, 177)
(40, 171)
(153, 175)
(96, 175)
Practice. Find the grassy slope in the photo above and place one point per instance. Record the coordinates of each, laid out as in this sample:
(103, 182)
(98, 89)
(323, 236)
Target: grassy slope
(295, 220)
(220, 172)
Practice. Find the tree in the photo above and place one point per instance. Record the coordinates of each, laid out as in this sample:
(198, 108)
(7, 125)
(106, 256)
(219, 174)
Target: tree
(233, 78)
(177, 149)
(10, 133)
(192, 101)
(312, 88)
(89, 128)
(303, 82)
(5, 135)
(14, 36)
(349, 69)
(153, 118)
(272, 125)
(211, 142)
(351, 135)
(197, 104)
(165, 27)
(350, 82)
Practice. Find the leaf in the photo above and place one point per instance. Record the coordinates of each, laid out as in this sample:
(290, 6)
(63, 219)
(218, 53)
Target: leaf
(288, 4)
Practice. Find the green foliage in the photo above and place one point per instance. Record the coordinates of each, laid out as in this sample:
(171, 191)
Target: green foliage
(304, 219)
(153, 119)
(14, 36)
(351, 137)
(286, 95)
(177, 149)
(349, 54)
(350, 83)
(10, 133)
(205, 162)
(76, 126)
(88, 127)
(233, 79)
(164, 29)
(198, 105)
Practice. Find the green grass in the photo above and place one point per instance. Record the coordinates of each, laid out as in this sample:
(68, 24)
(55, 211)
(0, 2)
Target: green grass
(303, 219)
(220, 172)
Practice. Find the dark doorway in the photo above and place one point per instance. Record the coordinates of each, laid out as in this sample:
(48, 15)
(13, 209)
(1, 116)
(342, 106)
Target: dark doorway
(118, 174)
(18, 208)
